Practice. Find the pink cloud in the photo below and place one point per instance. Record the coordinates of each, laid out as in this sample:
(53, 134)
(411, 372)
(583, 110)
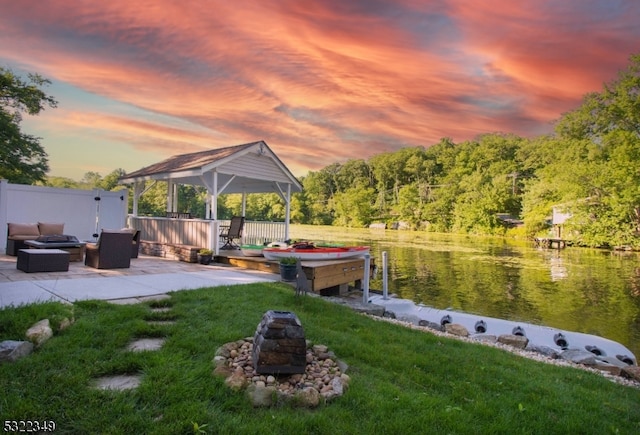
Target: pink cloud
(320, 81)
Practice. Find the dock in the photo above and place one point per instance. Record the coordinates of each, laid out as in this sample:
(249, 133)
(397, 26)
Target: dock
(326, 277)
(545, 242)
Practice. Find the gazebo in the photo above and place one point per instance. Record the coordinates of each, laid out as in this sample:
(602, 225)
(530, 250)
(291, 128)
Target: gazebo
(242, 169)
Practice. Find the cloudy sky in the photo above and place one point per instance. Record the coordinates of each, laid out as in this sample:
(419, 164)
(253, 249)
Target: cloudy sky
(320, 81)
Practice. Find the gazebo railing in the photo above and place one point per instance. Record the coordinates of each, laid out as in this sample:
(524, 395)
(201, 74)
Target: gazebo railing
(198, 232)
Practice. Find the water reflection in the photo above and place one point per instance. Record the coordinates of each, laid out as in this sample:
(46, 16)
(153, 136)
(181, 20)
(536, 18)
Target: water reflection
(590, 291)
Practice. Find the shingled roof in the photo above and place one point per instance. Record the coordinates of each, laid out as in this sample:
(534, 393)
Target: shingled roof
(248, 168)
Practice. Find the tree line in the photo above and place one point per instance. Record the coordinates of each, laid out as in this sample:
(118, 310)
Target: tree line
(588, 167)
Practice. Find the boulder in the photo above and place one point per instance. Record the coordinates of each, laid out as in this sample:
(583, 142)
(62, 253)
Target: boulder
(262, 396)
(579, 356)
(308, 397)
(11, 350)
(456, 329)
(631, 372)
(39, 333)
(517, 341)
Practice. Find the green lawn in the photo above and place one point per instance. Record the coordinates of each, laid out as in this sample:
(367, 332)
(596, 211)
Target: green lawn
(403, 381)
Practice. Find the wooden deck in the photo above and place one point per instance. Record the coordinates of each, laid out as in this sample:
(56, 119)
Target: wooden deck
(326, 277)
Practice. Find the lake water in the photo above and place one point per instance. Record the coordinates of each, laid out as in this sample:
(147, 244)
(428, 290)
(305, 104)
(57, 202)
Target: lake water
(583, 290)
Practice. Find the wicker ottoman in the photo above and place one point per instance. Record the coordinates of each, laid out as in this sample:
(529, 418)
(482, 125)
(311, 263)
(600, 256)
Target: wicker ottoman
(43, 260)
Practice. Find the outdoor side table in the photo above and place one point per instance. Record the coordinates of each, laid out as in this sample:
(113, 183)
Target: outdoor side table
(43, 260)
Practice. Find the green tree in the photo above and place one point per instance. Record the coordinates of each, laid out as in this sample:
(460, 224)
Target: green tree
(608, 213)
(353, 207)
(22, 158)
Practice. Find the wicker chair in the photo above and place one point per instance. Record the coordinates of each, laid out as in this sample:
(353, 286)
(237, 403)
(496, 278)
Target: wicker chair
(113, 250)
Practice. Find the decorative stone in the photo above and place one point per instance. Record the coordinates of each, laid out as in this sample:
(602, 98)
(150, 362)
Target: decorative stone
(631, 372)
(65, 323)
(261, 396)
(543, 350)
(579, 356)
(222, 371)
(11, 350)
(40, 332)
(456, 329)
(279, 346)
(237, 381)
(485, 338)
(308, 397)
(517, 341)
(431, 325)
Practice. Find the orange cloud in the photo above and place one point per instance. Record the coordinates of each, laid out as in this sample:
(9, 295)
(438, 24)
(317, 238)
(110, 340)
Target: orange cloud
(319, 81)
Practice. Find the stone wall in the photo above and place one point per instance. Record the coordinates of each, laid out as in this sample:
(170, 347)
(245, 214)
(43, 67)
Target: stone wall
(186, 253)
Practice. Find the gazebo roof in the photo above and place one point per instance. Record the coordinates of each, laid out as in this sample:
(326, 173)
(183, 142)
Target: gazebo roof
(247, 168)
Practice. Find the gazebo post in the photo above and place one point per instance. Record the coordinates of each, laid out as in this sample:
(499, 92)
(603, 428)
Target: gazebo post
(287, 215)
(169, 195)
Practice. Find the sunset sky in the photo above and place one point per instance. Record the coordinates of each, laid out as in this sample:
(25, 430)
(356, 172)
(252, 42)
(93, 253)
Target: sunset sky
(319, 81)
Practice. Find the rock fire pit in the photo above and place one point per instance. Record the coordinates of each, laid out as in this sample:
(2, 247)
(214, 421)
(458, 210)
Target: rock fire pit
(279, 365)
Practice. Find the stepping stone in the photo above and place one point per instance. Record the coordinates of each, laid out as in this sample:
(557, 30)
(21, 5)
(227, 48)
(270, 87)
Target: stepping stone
(161, 322)
(154, 298)
(125, 301)
(161, 310)
(146, 344)
(118, 382)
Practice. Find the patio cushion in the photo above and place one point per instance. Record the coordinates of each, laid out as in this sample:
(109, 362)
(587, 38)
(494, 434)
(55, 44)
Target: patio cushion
(28, 230)
(50, 229)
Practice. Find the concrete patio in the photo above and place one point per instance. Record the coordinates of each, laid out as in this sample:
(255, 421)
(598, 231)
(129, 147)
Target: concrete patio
(147, 276)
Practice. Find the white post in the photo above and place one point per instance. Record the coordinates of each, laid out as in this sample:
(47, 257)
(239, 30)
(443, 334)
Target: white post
(287, 213)
(169, 195)
(365, 278)
(385, 284)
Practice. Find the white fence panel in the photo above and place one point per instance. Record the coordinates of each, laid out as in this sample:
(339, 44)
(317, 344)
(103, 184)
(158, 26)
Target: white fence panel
(83, 212)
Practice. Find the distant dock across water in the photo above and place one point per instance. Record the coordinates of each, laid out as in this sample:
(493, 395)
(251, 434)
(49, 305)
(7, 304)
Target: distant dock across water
(550, 243)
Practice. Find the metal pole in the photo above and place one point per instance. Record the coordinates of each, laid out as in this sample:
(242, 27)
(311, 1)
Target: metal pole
(365, 278)
(385, 278)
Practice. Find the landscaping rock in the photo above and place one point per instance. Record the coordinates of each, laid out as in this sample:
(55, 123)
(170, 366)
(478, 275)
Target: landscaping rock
(456, 329)
(631, 372)
(262, 396)
(237, 381)
(431, 325)
(579, 356)
(39, 333)
(308, 397)
(543, 350)
(485, 338)
(11, 350)
(324, 373)
(517, 341)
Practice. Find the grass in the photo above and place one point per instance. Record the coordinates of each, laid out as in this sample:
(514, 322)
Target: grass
(402, 381)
